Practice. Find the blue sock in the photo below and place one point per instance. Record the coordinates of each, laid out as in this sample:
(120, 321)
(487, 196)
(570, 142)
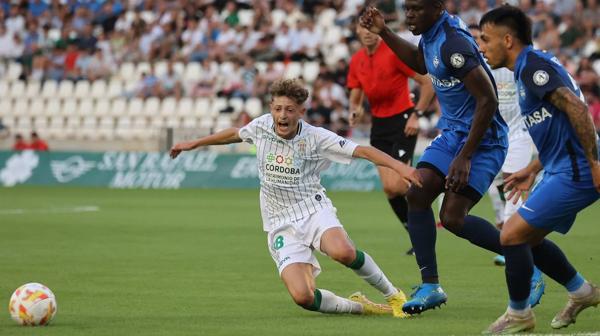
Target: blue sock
(481, 233)
(422, 231)
(519, 269)
(552, 261)
(575, 283)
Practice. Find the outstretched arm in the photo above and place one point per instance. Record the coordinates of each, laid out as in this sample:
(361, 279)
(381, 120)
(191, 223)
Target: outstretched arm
(408, 173)
(226, 136)
(577, 111)
(409, 54)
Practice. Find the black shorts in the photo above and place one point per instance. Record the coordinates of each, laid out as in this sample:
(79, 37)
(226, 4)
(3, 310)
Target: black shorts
(387, 135)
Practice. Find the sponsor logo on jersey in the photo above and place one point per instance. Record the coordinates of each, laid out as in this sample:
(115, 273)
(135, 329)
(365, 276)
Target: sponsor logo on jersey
(444, 83)
(457, 60)
(536, 117)
(541, 77)
(318, 198)
(280, 159)
(342, 143)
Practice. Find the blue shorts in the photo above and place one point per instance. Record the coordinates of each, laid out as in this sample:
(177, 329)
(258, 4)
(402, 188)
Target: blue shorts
(555, 202)
(485, 163)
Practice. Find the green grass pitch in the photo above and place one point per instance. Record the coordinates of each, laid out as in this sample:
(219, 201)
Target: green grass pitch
(195, 262)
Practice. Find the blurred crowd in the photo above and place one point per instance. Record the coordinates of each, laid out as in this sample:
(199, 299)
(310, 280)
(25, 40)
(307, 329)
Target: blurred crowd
(91, 39)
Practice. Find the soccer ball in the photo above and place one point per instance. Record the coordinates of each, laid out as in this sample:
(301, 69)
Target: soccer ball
(32, 304)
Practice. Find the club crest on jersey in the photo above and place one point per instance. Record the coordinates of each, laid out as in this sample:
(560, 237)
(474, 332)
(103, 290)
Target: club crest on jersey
(436, 61)
(457, 60)
(301, 147)
(541, 77)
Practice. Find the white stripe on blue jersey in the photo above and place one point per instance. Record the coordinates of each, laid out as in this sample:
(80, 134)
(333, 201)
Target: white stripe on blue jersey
(289, 170)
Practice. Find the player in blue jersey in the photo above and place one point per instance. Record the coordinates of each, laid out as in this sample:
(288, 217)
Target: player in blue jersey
(465, 158)
(558, 121)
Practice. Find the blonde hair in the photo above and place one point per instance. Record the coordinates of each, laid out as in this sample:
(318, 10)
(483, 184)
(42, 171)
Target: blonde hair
(291, 88)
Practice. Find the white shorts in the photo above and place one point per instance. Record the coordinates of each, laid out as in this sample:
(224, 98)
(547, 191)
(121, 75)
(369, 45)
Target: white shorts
(520, 151)
(295, 242)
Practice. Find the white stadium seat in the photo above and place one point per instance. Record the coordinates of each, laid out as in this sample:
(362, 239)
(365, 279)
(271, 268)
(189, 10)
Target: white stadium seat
(102, 107)
(160, 68)
(185, 107)
(246, 17)
(65, 89)
(14, 71)
(190, 122)
(6, 108)
(98, 89)
(217, 105)
(293, 70)
(152, 107)
(127, 71)
(82, 89)
(50, 89)
(53, 107)
(135, 107)
(69, 108)
(4, 87)
(17, 89)
(21, 107)
(193, 72)
(326, 18)
(157, 122)
(37, 107)
(254, 107)
(118, 107)
(168, 107)
(33, 89)
(202, 107)
(237, 104)
(86, 107)
(40, 123)
(277, 17)
(115, 89)
(141, 68)
(310, 71)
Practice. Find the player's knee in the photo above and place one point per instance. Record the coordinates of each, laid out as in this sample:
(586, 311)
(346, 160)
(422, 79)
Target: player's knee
(416, 199)
(345, 255)
(303, 298)
(451, 221)
(510, 237)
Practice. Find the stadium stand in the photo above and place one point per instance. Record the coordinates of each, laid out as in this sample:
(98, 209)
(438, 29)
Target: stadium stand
(125, 70)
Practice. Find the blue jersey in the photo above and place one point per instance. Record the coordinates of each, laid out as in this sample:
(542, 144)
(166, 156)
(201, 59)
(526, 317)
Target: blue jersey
(539, 73)
(450, 54)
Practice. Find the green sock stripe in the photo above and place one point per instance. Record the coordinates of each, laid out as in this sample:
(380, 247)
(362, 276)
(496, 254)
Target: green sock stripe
(359, 261)
(317, 301)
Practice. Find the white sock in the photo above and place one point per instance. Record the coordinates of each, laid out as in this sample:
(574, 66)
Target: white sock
(583, 290)
(374, 276)
(520, 312)
(510, 209)
(333, 304)
(497, 203)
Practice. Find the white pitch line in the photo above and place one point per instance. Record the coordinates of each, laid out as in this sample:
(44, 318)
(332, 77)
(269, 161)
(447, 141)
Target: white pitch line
(77, 209)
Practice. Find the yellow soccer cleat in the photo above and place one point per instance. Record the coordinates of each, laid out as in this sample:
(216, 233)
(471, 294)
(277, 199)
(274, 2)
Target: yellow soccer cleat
(396, 302)
(370, 307)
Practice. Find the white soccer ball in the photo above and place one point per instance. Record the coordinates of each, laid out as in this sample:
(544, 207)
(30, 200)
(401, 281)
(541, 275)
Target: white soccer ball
(32, 304)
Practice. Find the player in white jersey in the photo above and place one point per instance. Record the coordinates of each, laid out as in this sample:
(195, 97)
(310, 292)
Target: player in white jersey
(297, 215)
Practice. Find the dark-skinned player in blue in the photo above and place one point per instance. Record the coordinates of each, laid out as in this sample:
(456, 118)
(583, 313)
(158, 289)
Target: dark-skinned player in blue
(463, 161)
(557, 118)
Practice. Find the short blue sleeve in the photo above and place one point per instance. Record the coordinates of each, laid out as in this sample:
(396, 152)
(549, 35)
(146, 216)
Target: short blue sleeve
(540, 78)
(459, 56)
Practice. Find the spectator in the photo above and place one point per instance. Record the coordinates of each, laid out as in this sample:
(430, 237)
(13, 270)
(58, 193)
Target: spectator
(37, 144)
(170, 83)
(20, 143)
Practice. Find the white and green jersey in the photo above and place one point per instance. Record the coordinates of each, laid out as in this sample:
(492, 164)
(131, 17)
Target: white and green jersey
(289, 170)
(508, 103)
